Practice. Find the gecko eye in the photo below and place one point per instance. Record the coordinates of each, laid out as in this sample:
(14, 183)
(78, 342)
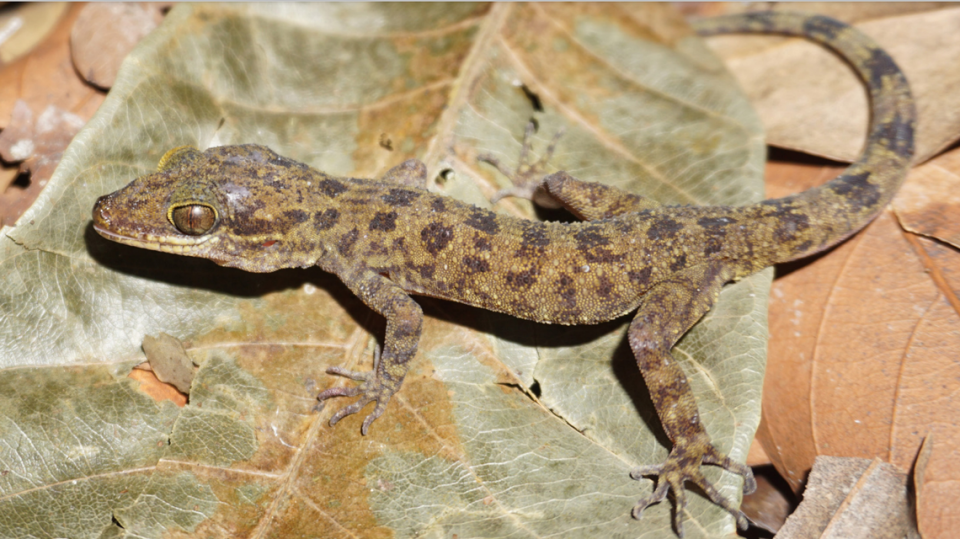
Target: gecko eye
(194, 219)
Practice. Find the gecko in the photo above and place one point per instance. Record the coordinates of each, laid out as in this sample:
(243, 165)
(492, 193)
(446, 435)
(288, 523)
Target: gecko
(386, 239)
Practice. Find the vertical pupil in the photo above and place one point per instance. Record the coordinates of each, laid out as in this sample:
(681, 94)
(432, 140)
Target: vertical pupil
(194, 219)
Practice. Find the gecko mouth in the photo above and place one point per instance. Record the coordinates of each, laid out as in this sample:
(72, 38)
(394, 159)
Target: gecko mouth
(166, 244)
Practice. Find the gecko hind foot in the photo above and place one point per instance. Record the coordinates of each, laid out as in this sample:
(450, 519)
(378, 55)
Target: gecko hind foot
(526, 178)
(371, 389)
(683, 465)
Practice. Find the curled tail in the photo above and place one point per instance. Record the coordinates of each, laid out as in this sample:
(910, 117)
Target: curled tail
(847, 203)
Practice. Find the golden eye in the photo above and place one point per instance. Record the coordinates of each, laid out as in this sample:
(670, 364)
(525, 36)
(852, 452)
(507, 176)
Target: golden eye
(194, 219)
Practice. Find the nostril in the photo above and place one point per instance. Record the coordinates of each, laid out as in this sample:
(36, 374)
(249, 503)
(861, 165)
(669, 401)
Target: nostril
(101, 211)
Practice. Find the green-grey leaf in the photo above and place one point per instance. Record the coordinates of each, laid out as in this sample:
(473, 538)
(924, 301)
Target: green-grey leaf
(503, 427)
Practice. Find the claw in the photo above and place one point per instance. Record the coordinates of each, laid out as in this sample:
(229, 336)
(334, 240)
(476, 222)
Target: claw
(370, 389)
(683, 465)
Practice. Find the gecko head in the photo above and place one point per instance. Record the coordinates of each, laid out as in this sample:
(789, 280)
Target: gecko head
(235, 205)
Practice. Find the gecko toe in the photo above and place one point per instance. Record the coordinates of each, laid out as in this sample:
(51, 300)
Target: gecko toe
(682, 466)
(353, 375)
(370, 389)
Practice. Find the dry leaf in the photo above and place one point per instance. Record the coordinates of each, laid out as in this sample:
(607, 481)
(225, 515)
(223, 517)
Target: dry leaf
(23, 26)
(157, 390)
(936, 519)
(37, 143)
(458, 451)
(809, 100)
(852, 499)
(43, 103)
(769, 506)
(757, 455)
(863, 347)
(169, 361)
(105, 33)
(929, 204)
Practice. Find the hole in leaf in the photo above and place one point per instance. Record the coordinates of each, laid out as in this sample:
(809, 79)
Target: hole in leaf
(533, 97)
(22, 181)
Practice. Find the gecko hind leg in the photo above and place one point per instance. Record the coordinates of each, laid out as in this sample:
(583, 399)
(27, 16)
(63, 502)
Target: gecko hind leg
(526, 177)
(668, 310)
(588, 201)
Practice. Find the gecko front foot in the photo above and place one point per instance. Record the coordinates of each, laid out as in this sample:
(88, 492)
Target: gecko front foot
(372, 388)
(528, 174)
(682, 465)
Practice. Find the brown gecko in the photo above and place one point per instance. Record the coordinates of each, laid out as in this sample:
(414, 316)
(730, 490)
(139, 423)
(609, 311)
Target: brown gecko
(249, 208)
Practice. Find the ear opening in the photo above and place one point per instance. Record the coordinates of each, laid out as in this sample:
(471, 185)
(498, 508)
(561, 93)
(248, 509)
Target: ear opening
(181, 155)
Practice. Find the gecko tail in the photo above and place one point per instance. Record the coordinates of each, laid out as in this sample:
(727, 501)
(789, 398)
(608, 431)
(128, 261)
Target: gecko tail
(849, 202)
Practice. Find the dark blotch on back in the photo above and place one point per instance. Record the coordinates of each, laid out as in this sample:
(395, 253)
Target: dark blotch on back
(481, 244)
(662, 229)
(346, 242)
(641, 277)
(713, 245)
(483, 220)
(326, 220)
(533, 239)
(899, 134)
(604, 288)
(789, 225)
(295, 216)
(522, 279)
(880, 64)
(857, 189)
(823, 26)
(399, 197)
(436, 236)
(426, 271)
(330, 187)
(385, 221)
(475, 264)
(590, 237)
(567, 292)
(679, 263)
(602, 256)
(438, 205)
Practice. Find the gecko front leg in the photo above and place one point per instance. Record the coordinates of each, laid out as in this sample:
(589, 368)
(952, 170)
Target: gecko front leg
(526, 178)
(668, 311)
(404, 322)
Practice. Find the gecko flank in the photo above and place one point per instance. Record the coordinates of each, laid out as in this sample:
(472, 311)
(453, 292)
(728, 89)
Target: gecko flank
(249, 208)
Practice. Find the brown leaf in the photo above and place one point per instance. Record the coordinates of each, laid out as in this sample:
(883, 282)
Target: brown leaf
(43, 103)
(25, 25)
(852, 499)
(932, 485)
(809, 101)
(757, 455)
(37, 143)
(863, 348)
(768, 506)
(105, 33)
(929, 204)
(158, 391)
